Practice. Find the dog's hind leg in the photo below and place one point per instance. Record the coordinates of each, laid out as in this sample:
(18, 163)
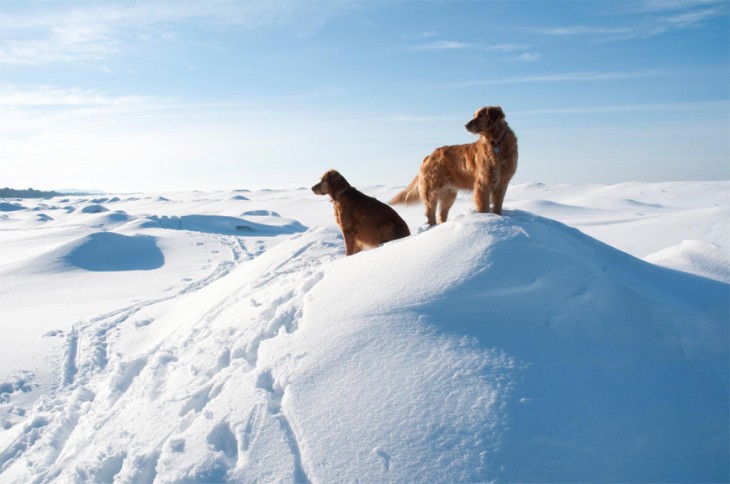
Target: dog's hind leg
(431, 213)
(447, 199)
(428, 195)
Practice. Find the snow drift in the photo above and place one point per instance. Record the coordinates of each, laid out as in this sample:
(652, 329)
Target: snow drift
(697, 257)
(109, 251)
(489, 348)
(266, 224)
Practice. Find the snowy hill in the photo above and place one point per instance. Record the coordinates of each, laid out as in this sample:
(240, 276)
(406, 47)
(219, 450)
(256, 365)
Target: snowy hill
(508, 348)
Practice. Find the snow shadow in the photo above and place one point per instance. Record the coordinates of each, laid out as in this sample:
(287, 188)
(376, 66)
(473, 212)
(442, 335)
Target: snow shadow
(11, 207)
(108, 251)
(632, 355)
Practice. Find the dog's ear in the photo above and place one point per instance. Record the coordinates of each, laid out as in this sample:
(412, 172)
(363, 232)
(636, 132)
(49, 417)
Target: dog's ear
(495, 113)
(331, 177)
(336, 180)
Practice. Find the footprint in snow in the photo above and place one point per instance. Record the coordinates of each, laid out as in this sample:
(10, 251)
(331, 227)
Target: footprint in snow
(383, 455)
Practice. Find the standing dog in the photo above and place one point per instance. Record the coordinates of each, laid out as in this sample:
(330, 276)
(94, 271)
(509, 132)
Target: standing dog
(365, 221)
(486, 166)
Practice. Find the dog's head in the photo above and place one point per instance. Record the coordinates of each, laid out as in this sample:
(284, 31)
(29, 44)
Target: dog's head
(485, 120)
(331, 183)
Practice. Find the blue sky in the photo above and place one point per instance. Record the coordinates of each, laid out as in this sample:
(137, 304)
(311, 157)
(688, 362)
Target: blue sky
(128, 96)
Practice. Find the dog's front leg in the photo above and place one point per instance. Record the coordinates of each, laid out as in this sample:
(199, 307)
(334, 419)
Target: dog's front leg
(498, 197)
(350, 243)
(481, 195)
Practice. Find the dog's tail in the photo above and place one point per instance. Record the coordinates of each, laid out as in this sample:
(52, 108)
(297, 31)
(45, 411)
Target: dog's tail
(409, 196)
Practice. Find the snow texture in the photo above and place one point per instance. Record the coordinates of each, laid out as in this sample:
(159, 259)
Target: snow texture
(171, 345)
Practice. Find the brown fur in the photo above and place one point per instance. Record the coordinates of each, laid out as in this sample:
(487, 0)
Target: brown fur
(365, 221)
(485, 166)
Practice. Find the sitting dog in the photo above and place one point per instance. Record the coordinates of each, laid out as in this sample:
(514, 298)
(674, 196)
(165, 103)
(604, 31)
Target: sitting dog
(365, 221)
(486, 166)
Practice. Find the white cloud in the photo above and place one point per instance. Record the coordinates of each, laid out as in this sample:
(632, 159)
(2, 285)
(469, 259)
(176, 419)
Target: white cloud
(62, 32)
(421, 35)
(688, 19)
(646, 20)
(441, 45)
(666, 5)
(702, 107)
(60, 44)
(506, 48)
(583, 30)
(51, 96)
(564, 77)
(528, 57)
(102, 139)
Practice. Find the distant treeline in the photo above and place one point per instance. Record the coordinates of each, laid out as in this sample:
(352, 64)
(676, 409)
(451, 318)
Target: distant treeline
(29, 193)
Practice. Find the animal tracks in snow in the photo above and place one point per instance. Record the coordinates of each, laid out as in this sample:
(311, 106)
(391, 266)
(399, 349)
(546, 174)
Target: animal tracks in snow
(191, 357)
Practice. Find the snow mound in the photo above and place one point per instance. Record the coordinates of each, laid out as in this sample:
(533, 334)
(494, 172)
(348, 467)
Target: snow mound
(11, 207)
(576, 361)
(641, 205)
(488, 348)
(703, 258)
(94, 209)
(100, 252)
(260, 213)
(555, 208)
(218, 224)
(105, 219)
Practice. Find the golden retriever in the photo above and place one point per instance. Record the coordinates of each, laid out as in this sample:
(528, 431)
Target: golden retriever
(365, 221)
(485, 166)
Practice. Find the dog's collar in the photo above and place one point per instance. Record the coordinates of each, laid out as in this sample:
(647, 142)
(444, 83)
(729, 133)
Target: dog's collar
(342, 192)
(495, 143)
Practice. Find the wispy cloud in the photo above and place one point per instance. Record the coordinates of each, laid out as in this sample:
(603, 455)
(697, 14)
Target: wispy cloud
(250, 14)
(54, 32)
(506, 48)
(441, 45)
(52, 96)
(647, 19)
(503, 48)
(583, 30)
(87, 104)
(60, 44)
(688, 19)
(430, 34)
(705, 106)
(563, 77)
(668, 5)
(528, 57)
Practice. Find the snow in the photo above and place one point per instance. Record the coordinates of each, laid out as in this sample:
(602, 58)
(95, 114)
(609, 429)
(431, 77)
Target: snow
(208, 337)
(703, 258)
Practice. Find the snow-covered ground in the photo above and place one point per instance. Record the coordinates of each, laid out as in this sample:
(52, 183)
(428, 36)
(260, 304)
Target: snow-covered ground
(207, 337)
